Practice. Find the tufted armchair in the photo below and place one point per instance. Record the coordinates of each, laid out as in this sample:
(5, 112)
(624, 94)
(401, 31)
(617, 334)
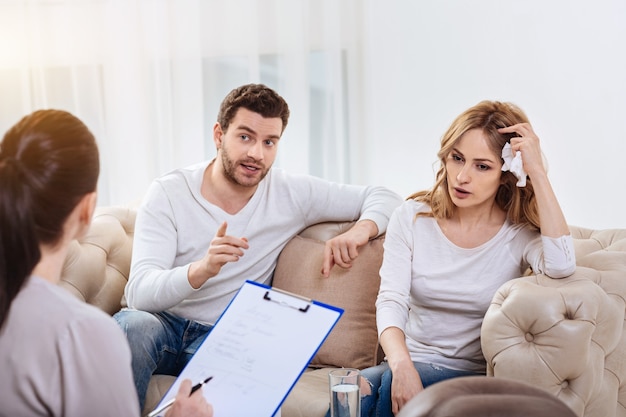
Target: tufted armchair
(566, 336)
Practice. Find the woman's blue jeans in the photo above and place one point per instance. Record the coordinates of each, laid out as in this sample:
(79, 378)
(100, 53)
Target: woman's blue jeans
(160, 343)
(378, 402)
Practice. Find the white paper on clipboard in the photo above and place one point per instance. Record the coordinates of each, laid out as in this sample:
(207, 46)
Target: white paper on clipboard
(257, 350)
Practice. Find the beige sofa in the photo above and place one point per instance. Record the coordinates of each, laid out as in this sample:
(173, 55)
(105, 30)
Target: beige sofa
(564, 336)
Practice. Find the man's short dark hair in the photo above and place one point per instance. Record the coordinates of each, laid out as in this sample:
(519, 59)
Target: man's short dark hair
(257, 98)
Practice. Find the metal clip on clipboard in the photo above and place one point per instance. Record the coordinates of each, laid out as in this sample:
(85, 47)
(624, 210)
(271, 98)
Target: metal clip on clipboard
(286, 304)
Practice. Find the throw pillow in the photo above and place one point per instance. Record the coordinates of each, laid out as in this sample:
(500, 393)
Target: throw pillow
(353, 343)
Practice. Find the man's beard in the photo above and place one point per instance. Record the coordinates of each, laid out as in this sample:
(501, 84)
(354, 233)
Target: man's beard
(230, 170)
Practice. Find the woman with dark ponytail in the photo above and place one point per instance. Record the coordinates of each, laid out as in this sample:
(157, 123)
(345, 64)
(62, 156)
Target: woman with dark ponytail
(58, 355)
(48, 165)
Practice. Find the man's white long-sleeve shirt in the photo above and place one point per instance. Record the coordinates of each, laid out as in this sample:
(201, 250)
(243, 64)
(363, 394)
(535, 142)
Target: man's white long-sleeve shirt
(437, 293)
(175, 226)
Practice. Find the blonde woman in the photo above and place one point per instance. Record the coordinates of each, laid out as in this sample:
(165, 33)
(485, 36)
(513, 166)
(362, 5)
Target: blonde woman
(449, 248)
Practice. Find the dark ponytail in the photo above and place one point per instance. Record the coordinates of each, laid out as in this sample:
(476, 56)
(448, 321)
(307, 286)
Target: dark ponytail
(19, 249)
(48, 162)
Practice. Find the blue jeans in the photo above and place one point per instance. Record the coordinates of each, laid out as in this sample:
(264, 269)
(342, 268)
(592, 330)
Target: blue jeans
(160, 343)
(378, 403)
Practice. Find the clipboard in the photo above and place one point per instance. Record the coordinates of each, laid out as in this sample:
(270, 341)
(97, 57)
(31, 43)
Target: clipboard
(257, 350)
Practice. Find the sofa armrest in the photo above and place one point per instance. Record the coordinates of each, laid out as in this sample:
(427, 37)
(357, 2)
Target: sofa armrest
(96, 268)
(565, 336)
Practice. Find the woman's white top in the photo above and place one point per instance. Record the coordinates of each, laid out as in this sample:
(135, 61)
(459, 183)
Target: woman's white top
(438, 293)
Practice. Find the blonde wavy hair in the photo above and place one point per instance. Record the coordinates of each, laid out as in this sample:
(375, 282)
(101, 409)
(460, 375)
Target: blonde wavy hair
(518, 202)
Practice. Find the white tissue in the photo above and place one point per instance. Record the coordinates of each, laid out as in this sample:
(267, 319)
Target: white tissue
(514, 164)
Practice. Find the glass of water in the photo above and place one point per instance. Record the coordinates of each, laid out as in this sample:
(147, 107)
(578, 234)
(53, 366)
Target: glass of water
(345, 396)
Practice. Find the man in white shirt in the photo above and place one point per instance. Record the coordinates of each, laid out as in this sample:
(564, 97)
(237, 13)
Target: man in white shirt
(204, 230)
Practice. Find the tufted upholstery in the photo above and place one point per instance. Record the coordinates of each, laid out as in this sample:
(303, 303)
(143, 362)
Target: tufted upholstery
(104, 253)
(567, 336)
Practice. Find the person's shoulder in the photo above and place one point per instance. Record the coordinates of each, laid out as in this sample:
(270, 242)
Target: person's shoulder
(520, 231)
(521, 227)
(62, 308)
(280, 177)
(176, 183)
(92, 326)
(281, 174)
(177, 174)
(407, 212)
(411, 206)
(67, 302)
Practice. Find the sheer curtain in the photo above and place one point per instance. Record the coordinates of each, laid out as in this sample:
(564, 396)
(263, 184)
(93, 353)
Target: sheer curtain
(147, 77)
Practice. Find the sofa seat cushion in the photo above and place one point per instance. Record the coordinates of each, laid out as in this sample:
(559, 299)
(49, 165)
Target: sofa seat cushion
(157, 388)
(310, 397)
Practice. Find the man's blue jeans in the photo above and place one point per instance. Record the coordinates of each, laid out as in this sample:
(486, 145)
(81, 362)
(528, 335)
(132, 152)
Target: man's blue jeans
(378, 403)
(160, 343)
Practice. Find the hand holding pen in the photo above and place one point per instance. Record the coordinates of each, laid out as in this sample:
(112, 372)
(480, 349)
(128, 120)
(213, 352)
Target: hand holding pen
(186, 404)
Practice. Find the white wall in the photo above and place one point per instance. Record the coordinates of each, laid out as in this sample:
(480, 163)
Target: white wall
(563, 62)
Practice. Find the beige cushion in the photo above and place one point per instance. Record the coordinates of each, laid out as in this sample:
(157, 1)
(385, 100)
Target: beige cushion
(310, 397)
(159, 386)
(353, 343)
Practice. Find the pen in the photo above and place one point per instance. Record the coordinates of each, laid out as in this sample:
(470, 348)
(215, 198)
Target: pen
(170, 402)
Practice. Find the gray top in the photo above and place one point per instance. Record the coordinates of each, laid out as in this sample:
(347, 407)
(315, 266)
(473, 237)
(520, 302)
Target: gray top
(62, 357)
